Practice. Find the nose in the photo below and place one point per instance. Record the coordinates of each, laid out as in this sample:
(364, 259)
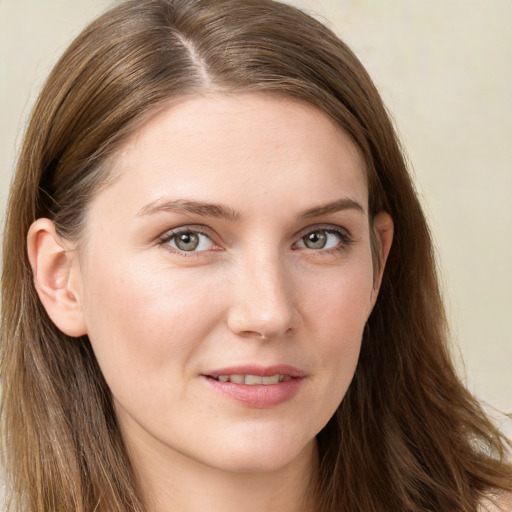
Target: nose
(262, 300)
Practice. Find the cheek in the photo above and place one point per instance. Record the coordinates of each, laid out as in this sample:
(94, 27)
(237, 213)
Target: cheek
(341, 300)
(144, 322)
(338, 315)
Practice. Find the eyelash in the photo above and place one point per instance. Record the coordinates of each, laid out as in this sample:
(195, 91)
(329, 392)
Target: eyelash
(168, 236)
(344, 236)
(345, 239)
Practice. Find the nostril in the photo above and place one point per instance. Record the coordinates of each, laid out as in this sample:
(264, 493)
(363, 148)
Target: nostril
(267, 335)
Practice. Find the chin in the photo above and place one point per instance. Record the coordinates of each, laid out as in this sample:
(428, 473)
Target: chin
(260, 453)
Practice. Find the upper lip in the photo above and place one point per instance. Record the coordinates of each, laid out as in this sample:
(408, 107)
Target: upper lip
(262, 371)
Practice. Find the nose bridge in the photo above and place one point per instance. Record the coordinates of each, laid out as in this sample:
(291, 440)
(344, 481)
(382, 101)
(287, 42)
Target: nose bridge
(263, 302)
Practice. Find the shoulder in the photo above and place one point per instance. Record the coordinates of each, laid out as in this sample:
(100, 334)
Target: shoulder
(501, 502)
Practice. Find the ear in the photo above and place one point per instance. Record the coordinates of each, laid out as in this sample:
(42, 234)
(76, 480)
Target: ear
(383, 230)
(57, 279)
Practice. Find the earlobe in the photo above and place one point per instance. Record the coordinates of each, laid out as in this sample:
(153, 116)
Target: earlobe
(383, 229)
(56, 273)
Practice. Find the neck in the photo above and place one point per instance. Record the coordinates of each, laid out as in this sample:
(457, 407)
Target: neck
(171, 481)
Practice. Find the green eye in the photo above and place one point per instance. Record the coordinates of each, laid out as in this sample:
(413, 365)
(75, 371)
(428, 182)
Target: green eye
(190, 241)
(187, 241)
(315, 240)
(323, 239)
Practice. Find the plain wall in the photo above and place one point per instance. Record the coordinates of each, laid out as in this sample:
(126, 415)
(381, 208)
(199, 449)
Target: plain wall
(444, 68)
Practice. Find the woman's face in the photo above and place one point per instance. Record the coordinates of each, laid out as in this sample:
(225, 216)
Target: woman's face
(226, 277)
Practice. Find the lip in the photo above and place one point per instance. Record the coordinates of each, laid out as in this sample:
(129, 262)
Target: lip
(257, 396)
(263, 371)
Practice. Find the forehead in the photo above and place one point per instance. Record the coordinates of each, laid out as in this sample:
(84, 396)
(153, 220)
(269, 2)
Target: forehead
(239, 148)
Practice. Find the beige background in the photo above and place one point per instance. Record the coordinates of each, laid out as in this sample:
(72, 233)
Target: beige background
(444, 68)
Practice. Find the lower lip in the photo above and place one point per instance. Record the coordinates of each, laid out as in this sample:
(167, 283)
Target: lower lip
(258, 396)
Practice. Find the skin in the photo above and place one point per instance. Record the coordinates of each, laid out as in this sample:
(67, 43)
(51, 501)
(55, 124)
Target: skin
(160, 318)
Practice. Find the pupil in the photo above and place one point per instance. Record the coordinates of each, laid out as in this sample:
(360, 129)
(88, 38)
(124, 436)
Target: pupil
(316, 240)
(187, 241)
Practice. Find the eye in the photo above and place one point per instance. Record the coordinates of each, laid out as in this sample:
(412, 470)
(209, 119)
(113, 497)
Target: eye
(323, 239)
(188, 241)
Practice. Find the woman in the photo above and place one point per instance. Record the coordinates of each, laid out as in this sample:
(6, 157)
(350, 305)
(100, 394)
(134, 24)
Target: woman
(219, 288)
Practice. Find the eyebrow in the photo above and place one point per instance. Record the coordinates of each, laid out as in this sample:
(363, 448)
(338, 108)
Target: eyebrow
(189, 206)
(332, 207)
(204, 209)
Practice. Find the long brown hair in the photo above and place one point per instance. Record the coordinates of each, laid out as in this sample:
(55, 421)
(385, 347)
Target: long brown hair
(406, 437)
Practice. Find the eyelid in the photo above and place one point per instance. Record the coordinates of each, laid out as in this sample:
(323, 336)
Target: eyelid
(345, 236)
(164, 238)
(327, 227)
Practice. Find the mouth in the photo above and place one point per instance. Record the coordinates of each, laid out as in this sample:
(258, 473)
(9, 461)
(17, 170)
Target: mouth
(252, 380)
(255, 375)
(256, 386)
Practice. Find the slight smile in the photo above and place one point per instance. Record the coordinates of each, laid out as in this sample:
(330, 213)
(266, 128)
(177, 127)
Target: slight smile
(258, 387)
(252, 380)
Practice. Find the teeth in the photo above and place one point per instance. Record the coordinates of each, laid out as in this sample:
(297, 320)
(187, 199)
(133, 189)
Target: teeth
(253, 380)
(274, 379)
